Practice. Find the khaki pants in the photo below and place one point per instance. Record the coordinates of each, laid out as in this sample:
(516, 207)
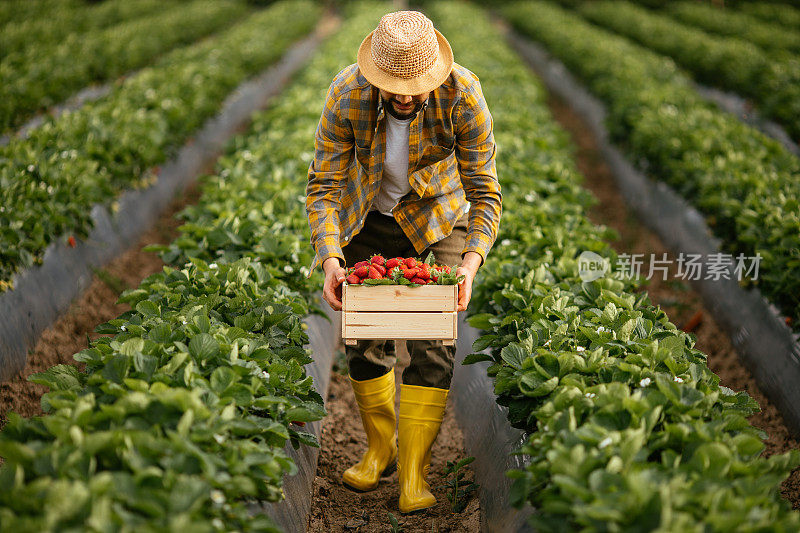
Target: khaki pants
(431, 361)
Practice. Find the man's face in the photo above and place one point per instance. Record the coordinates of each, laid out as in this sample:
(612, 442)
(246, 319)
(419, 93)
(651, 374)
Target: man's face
(403, 106)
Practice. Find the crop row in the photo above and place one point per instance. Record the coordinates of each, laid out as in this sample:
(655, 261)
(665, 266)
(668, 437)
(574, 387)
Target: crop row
(782, 14)
(185, 409)
(40, 76)
(745, 183)
(713, 19)
(772, 81)
(50, 181)
(629, 429)
(37, 31)
(18, 10)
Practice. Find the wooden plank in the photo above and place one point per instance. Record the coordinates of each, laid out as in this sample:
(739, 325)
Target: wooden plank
(384, 325)
(400, 298)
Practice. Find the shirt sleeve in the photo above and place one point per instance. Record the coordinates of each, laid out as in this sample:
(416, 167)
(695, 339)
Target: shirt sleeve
(333, 155)
(475, 153)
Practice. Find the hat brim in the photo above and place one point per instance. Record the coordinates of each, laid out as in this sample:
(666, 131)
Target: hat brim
(427, 82)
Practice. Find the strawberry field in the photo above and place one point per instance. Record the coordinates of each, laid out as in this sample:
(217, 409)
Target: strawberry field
(203, 394)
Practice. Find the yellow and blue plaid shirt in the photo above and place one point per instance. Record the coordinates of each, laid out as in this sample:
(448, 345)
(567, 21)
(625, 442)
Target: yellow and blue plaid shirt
(451, 162)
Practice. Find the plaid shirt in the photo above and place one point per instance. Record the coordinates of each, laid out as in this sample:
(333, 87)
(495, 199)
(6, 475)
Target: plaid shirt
(451, 162)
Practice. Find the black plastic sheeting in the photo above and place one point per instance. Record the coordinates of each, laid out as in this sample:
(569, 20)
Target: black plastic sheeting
(766, 344)
(291, 514)
(736, 105)
(88, 94)
(41, 294)
(488, 437)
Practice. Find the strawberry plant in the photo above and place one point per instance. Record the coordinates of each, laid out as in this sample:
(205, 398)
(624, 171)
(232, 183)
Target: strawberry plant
(41, 75)
(182, 413)
(50, 181)
(628, 428)
(743, 182)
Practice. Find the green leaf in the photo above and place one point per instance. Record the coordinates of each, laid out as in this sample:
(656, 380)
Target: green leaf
(513, 355)
(476, 358)
(58, 377)
(147, 308)
(203, 346)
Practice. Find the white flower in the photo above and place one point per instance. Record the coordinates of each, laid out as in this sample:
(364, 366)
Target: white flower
(288, 269)
(212, 265)
(183, 322)
(265, 374)
(677, 379)
(645, 382)
(546, 427)
(218, 523)
(123, 328)
(601, 329)
(530, 197)
(505, 242)
(605, 442)
(219, 438)
(590, 395)
(304, 270)
(31, 168)
(580, 349)
(513, 253)
(217, 496)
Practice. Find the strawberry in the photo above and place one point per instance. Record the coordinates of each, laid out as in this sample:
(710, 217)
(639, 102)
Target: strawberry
(361, 264)
(446, 268)
(374, 273)
(434, 275)
(71, 242)
(410, 273)
(377, 260)
(379, 268)
(424, 273)
(391, 263)
(410, 262)
(419, 280)
(362, 271)
(353, 279)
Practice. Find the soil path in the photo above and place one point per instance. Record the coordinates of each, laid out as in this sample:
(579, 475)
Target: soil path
(336, 508)
(71, 333)
(675, 296)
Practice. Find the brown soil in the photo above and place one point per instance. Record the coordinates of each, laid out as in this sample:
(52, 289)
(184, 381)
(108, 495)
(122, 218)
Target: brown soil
(675, 296)
(337, 508)
(70, 334)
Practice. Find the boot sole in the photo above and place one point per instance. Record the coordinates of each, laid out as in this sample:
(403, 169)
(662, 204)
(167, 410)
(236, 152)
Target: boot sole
(418, 511)
(388, 471)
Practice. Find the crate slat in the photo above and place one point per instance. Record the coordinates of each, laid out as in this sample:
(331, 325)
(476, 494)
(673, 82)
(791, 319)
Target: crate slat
(400, 298)
(390, 325)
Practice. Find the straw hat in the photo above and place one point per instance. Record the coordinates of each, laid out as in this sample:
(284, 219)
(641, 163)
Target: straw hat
(405, 55)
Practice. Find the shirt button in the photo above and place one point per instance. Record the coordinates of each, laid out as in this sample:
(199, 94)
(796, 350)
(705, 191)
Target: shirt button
(346, 239)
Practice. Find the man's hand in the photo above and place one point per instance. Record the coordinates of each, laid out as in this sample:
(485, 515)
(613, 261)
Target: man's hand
(332, 288)
(469, 267)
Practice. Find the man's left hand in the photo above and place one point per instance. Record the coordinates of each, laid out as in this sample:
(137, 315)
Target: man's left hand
(469, 267)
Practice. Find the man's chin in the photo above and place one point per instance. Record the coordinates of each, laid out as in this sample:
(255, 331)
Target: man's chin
(404, 114)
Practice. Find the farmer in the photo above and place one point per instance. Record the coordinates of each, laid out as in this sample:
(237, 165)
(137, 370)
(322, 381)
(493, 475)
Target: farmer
(404, 165)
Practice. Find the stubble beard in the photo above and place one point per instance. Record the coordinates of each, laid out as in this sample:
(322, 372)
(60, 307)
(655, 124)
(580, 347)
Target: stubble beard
(400, 116)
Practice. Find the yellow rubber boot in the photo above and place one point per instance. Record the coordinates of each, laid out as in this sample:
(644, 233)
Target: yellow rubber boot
(375, 399)
(421, 414)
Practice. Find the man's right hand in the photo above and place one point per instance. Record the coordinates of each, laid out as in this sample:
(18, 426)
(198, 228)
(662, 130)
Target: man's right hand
(332, 288)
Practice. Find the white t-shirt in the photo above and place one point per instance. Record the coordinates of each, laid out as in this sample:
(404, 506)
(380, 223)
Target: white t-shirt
(394, 184)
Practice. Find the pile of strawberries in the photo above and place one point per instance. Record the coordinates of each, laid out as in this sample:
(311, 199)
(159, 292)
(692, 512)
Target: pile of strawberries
(413, 270)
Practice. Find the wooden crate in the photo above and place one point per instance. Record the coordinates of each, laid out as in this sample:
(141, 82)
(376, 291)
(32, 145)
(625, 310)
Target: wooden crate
(399, 312)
